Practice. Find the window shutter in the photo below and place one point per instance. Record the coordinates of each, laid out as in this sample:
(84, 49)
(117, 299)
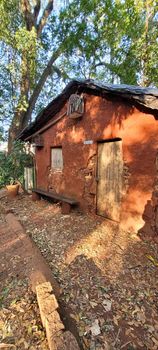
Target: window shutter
(57, 158)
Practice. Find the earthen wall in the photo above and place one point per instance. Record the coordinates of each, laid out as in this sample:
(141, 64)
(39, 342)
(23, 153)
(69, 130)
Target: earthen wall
(103, 119)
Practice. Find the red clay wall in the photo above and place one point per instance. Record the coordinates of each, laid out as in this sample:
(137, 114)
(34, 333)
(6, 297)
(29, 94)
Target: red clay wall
(103, 119)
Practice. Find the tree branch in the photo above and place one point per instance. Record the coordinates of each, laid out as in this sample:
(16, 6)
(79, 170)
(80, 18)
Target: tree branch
(47, 71)
(28, 16)
(44, 17)
(61, 74)
(37, 10)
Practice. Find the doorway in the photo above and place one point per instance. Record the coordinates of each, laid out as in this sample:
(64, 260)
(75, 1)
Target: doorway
(109, 176)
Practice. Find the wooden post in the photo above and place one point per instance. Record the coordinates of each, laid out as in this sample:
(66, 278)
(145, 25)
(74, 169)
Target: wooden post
(65, 208)
(35, 196)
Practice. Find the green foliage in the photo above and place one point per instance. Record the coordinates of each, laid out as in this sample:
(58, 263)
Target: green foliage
(116, 41)
(12, 165)
(1, 134)
(112, 40)
(9, 20)
(27, 45)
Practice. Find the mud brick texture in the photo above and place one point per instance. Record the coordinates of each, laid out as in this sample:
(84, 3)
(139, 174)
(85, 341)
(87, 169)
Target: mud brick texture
(58, 339)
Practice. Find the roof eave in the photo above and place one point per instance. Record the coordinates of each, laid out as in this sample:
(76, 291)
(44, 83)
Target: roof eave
(136, 95)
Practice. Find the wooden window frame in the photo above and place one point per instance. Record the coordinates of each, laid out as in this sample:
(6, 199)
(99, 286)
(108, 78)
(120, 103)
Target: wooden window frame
(54, 167)
(75, 108)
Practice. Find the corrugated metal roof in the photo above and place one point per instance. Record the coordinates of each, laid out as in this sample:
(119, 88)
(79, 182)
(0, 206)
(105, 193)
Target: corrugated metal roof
(123, 88)
(146, 97)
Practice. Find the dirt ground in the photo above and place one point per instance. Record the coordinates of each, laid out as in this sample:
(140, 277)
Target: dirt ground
(108, 277)
(20, 324)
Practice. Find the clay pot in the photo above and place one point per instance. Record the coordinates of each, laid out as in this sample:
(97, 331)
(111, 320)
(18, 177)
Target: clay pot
(12, 190)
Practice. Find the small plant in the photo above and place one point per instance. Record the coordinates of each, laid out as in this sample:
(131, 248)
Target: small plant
(12, 165)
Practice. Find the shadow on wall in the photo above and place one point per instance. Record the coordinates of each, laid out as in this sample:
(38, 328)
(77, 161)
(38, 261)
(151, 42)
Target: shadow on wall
(139, 134)
(106, 117)
(140, 145)
(150, 215)
(141, 175)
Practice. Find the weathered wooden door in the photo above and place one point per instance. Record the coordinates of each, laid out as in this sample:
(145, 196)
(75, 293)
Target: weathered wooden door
(109, 189)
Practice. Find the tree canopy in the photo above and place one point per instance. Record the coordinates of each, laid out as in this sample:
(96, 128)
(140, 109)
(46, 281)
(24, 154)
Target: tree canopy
(44, 44)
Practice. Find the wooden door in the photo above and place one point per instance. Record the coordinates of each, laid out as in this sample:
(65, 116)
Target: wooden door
(109, 189)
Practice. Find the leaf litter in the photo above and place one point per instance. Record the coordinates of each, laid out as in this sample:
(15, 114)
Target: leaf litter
(20, 324)
(108, 277)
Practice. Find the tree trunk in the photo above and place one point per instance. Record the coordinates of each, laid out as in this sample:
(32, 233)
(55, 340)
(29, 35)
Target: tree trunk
(145, 60)
(33, 99)
(25, 105)
(22, 118)
(17, 121)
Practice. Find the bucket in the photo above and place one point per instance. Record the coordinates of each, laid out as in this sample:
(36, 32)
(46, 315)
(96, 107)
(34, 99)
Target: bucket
(12, 190)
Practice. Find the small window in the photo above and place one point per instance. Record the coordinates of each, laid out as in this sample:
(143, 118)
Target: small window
(75, 106)
(56, 158)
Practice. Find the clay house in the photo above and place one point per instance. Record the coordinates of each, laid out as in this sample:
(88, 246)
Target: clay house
(97, 148)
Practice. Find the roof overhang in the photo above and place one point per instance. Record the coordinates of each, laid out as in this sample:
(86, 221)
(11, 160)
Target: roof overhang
(146, 98)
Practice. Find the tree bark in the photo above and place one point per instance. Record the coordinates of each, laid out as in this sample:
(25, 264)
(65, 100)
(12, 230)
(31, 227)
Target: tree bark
(33, 99)
(17, 121)
(145, 61)
(43, 20)
(22, 116)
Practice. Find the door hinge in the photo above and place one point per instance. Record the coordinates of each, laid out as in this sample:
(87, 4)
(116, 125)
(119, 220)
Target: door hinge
(97, 178)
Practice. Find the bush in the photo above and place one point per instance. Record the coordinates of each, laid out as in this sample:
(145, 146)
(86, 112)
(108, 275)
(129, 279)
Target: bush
(12, 165)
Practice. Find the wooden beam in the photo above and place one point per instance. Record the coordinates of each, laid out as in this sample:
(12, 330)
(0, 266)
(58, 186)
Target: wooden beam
(46, 126)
